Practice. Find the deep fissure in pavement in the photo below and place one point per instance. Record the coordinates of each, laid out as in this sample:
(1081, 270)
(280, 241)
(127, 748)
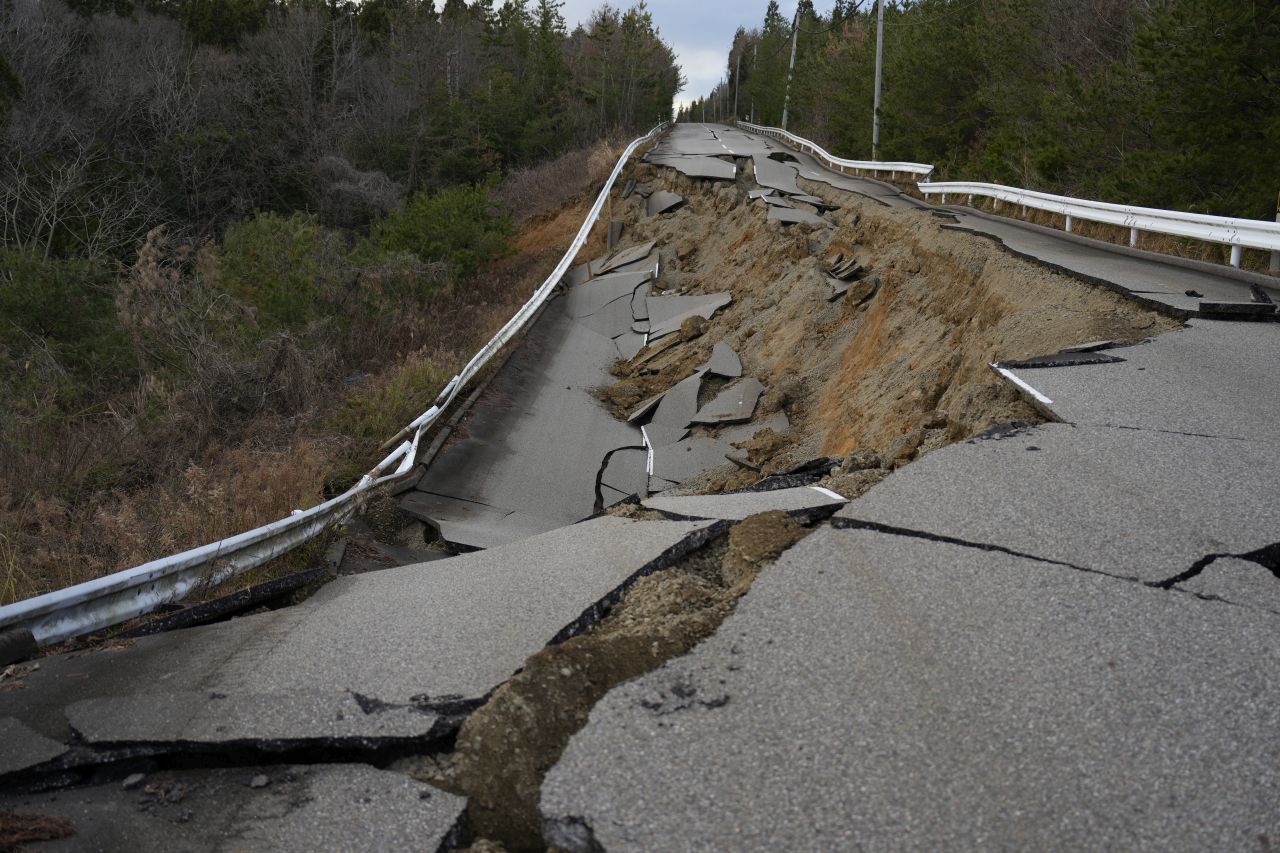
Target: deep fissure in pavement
(1268, 556)
(506, 747)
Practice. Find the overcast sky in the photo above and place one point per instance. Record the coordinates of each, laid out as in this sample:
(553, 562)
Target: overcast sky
(700, 31)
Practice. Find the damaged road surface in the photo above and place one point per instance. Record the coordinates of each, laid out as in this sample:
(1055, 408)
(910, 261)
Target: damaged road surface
(875, 691)
(373, 666)
(895, 537)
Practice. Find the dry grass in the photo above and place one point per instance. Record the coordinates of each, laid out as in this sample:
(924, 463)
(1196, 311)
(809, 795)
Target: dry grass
(207, 477)
(16, 829)
(539, 190)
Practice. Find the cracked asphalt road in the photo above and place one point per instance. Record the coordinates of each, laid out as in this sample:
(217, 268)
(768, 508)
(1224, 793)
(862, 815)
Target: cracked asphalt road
(1056, 637)
(1049, 637)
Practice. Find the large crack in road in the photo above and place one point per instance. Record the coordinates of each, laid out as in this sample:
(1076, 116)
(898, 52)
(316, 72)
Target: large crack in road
(985, 647)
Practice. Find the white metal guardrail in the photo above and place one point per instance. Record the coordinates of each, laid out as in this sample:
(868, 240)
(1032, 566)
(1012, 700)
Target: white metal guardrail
(115, 598)
(919, 170)
(1239, 234)
(1236, 233)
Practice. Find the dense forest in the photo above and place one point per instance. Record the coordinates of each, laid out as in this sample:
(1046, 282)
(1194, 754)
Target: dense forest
(1167, 103)
(235, 234)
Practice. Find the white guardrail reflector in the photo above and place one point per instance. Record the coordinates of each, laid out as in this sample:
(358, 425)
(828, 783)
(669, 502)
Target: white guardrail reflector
(109, 600)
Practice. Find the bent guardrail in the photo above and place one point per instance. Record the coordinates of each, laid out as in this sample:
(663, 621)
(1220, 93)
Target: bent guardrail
(1239, 234)
(922, 170)
(112, 599)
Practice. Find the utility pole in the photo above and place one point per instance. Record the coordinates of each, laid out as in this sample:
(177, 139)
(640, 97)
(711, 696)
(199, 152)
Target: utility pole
(791, 69)
(737, 82)
(755, 54)
(875, 113)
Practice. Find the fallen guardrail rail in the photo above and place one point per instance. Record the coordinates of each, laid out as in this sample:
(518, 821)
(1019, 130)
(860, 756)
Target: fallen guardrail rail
(117, 597)
(1239, 234)
(919, 170)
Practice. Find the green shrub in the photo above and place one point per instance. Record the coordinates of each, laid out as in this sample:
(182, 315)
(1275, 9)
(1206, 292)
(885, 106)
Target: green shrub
(67, 306)
(274, 264)
(459, 225)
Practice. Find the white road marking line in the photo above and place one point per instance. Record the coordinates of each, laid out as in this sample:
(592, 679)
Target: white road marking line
(830, 493)
(1008, 374)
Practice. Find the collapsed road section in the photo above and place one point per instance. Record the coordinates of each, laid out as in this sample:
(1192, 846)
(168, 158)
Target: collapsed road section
(811, 520)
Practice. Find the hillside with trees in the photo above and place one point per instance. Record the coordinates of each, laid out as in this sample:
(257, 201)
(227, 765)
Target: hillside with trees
(240, 239)
(1166, 103)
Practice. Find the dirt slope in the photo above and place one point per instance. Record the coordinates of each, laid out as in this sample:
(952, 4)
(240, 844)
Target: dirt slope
(900, 365)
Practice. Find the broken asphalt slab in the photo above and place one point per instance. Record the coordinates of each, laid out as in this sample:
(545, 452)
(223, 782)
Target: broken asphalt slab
(898, 693)
(667, 313)
(696, 166)
(793, 216)
(724, 362)
(662, 201)
(735, 507)
(526, 456)
(621, 258)
(735, 404)
(299, 808)
(22, 747)
(1211, 378)
(775, 175)
(1127, 502)
(377, 656)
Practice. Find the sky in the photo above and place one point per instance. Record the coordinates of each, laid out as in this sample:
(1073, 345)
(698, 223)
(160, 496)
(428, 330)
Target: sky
(700, 32)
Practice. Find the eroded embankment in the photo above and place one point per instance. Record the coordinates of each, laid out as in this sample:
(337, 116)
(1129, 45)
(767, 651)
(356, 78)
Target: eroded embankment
(901, 364)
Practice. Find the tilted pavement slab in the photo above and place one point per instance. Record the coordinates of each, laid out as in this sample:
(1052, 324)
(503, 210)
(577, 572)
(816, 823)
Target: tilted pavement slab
(24, 747)
(1211, 378)
(793, 217)
(368, 658)
(696, 165)
(724, 361)
(875, 691)
(1135, 503)
(735, 404)
(529, 450)
(293, 808)
(775, 175)
(737, 506)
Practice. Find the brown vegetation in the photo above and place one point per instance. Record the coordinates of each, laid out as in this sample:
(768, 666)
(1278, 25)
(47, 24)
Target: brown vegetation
(187, 457)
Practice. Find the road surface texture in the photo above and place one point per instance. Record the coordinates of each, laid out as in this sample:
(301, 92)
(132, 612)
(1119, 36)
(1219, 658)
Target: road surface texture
(1054, 636)
(980, 534)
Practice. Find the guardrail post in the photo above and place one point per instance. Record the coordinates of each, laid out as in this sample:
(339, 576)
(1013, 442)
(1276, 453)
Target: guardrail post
(1069, 223)
(971, 199)
(1236, 252)
(1133, 238)
(944, 198)
(1275, 255)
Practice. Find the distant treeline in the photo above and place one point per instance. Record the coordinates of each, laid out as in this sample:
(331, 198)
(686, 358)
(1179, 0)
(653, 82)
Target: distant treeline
(1168, 103)
(120, 115)
(244, 241)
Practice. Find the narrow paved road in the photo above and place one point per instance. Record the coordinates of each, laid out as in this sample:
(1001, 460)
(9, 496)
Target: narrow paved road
(1055, 636)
